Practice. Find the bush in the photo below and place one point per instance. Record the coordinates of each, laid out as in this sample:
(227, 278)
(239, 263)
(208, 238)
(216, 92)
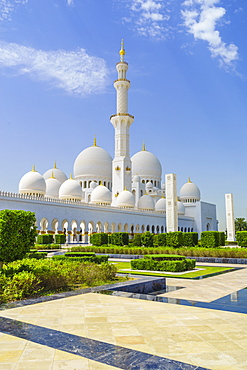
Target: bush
(47, 246)
(172, 266)
(82, 258)
(147, 239)
(36, 255)
(174, 239)
(60, 238)
(99, 238)
(222, 238)
(242, 238)
(210, 239)
(22, 285)
(190, 239)
(120, 238)
(164, 257)
(45, 238)
(17, 234)
(137, 240)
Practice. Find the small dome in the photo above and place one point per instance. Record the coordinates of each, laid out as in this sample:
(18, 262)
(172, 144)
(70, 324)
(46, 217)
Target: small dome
(160, 205)
(32, 183)
(181, 208)
(101, 195)
(52, 187)
(93, 185)
(146, 203)
(57, 173)
(146, 165)
(70, 190)
(125, 199)
(190, 191)
(93, 162)
(136, 178)
(149, 185)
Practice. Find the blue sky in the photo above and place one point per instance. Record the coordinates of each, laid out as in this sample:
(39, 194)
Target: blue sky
(187, 66)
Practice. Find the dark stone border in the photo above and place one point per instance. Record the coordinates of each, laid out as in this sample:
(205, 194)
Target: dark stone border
(110, 354)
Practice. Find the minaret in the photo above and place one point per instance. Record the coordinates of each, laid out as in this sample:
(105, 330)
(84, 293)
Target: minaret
(121, 121)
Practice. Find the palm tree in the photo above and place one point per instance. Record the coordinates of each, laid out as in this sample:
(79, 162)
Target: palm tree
(240, 224)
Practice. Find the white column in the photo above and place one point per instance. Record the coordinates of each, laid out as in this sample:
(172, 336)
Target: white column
(230, 223)
(171, 203)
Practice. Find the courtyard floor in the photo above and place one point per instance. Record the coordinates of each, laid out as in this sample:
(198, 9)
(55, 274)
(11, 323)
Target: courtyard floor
(96, 331)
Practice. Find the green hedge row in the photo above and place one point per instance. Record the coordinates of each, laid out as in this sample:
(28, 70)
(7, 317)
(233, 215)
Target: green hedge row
(226, 252)
(93, 259)
(172, 266)
(50, 238)
(47, 246)
(164, 257)
(242, 238)
(212, 239)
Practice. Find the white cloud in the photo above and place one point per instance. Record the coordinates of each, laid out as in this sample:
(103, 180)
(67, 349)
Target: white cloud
(8, 6)
(200, 18)
(148, 17)
(75, 72)
(70, 2)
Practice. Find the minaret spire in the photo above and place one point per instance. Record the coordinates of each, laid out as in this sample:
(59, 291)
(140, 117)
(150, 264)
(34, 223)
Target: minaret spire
(121, 122)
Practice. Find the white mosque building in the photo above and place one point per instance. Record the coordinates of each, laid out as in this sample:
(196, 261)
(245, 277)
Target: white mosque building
(109, 195)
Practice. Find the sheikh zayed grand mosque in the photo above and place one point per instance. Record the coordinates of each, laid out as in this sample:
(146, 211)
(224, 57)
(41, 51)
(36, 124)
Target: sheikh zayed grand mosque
(111, 195)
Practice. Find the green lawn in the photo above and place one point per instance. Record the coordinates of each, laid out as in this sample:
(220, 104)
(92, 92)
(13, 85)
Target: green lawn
(206, 271)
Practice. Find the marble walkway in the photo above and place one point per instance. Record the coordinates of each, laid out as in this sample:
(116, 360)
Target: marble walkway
(95, 331)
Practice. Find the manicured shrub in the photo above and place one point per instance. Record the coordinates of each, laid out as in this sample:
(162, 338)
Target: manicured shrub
(120, 238)
(45, 238)
(222, 238)
(17, 234)
(210, 239)
(99, 238)
(82, 257)
(22, 285)
(137, 240)
(60, 238)
(152, 265)
(37, 255)
(241, 238)
(47, 246)
(164, 257)
(174, 239)
(190, 239)
(147, 239)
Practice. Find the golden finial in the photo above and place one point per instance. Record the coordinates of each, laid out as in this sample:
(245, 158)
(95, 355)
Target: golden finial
(143, 146)
(100, 183)
(33, 168)
(55, 164)
(189, 179)
(122, 51)
(71, 178)
(52, 175)
(94, 141)
(125, 188)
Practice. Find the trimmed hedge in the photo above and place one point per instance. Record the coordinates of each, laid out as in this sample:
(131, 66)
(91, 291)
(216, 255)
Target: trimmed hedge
(60, 238)
(45, 238)
(80, 258)
(47, 246)
(164, 257)
(210, 239)
(147, 239)
(174, 239)
(172, 266)
(222, 238)
(79, 254)
(190, 239)
(137, 240)
(160, 240)
(242, 238)
(99, 238)
(36, 255)
(120, 238)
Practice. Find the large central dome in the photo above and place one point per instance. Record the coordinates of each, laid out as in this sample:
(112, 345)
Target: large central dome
(146, 165)
(93, 163)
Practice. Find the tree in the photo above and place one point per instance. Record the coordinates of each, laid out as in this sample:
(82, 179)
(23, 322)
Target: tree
(17, 234)
(240, 224)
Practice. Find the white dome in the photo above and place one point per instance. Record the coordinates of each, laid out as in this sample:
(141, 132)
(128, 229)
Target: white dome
(146, 165)
(181, 208)
(101, 195)
(136, 178)
(32, 183)
(93, 185)
(52, 187)
(160, 205)
(190, 191)
(149, 185)
(125, 199)
(70, 190)
(146, 203)
(57, 173)
(93, 162)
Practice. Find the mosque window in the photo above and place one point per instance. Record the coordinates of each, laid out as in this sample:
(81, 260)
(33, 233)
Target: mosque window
(104, 183)
(85, 184)
(81, 184)
(188, 229)
(155, 183)
(182, 229)
(178, 228)
(162, 229)
(143, 181)
(185, 229)
(141, 193)
(153, 229)
(192, 229)
(157, 229)
(148, 227)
